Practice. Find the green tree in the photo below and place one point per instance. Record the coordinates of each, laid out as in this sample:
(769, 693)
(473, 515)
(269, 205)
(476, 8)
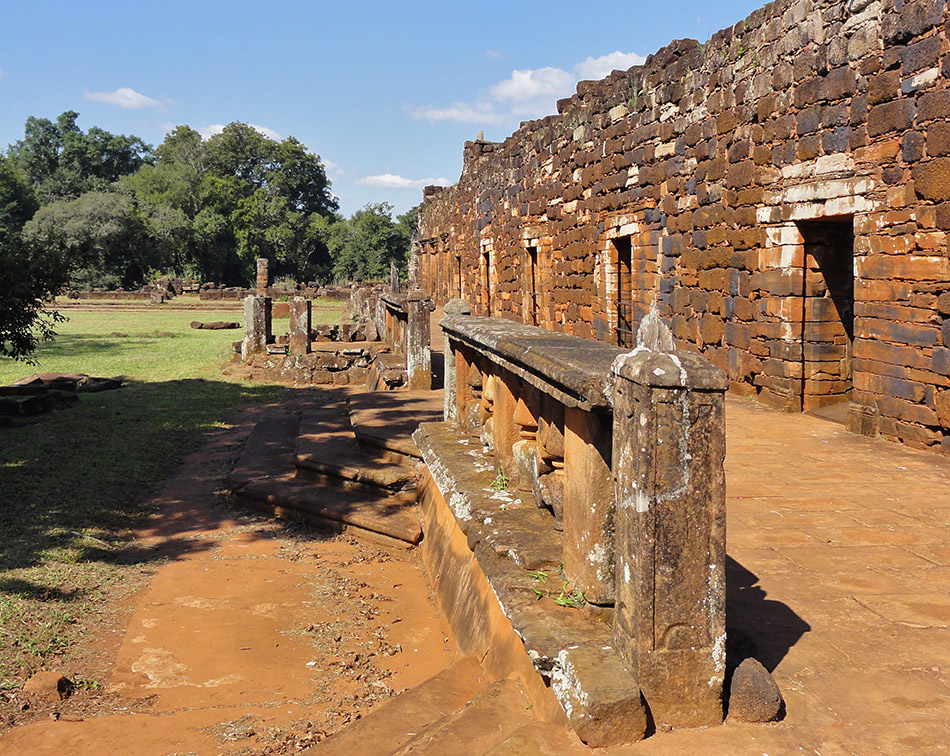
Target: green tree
(235, 197)
(367, 243)
(63, 162)
(31, 275)
(99, 236)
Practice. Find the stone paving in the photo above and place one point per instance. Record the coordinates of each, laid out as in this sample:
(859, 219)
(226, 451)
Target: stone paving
(839, 579)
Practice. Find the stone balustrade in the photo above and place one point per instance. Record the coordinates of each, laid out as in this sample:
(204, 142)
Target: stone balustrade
(614, 462)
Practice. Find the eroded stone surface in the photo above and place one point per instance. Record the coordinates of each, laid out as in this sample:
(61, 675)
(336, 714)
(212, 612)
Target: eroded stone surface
(753, 694)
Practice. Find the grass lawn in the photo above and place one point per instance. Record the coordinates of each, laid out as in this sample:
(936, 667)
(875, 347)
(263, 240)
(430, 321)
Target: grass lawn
(74, 483)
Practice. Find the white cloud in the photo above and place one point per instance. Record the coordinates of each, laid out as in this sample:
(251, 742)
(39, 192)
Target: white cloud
(598, 68)
(532, 84)
(392, 181)
(332, 168)
(494, 54)
(459, 112)
(3, 74)
(125, 97)
(527, 93)
(216, 128)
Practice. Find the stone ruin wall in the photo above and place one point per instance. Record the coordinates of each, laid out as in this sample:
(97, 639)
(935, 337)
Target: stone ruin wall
(740, 184)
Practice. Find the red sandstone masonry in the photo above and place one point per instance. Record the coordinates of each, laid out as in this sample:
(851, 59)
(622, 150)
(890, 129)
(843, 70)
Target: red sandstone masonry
(715, 179)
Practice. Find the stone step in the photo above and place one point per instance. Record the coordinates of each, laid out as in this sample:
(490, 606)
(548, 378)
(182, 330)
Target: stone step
(398, 720)
(264, 478)
(387, 420)
(475, 728)
(327, 452)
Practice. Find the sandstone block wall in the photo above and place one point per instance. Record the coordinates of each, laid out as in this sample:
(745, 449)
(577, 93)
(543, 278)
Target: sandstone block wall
(782, 192)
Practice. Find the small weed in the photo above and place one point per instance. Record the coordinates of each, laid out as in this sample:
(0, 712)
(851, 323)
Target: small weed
(565, 595)
(501, 481)
(85, 684)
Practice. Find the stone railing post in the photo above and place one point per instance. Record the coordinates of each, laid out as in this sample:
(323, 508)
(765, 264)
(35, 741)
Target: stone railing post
(418, 337)
(300, 322)
(453, 308)
(257, 325)
(670, 520)
(263, 278)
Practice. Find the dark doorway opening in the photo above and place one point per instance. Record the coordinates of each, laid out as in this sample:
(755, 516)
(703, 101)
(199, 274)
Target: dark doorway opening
(486, 282)
(827, 314)
(532, 304)
(624, 302)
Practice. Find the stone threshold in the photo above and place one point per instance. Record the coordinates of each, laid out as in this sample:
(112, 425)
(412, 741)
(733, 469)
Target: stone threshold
(508, 537)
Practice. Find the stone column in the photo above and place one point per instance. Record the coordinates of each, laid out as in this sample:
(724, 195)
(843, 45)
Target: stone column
(453, 308)
(300, 319)
(262, 277)
(418, 336)
(257, 325)
(588, 505)
(670, 518)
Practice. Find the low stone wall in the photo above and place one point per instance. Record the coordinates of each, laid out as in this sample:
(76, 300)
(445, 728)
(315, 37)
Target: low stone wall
(348, 365)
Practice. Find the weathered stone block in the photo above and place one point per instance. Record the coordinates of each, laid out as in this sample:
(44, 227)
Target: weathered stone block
(300, 323)
(262, 277)
(599, 696)
(418, 354)
(753, 694)
(669, 447)
(257, 325)
(588, 504)
(891, 117)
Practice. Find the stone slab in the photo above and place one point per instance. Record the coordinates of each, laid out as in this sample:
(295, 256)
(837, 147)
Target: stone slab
(398, 720)
(388, 419)
(264, 477)
(575, 371)
(327, 445)
(461, 474)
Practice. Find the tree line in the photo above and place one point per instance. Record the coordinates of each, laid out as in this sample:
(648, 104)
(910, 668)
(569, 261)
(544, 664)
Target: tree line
(100, 209)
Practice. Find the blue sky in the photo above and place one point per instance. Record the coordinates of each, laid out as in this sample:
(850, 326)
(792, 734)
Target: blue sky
(385, 93)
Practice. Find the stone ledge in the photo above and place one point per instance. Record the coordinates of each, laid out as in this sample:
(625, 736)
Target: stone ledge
(573, 370)
(569, 648)
(395, 301)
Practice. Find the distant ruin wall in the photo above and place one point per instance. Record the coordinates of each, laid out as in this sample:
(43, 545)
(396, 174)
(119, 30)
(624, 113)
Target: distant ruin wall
(782, 192)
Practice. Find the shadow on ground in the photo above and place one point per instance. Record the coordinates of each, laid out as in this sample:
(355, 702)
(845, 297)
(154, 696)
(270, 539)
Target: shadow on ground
(74, 484)
(755, 625)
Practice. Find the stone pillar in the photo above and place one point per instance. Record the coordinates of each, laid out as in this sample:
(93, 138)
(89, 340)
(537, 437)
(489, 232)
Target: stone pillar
(257, 325)
(262, 278)
(670, 519)
(393, 278)
(418, 336)
(300, 310)
(453, 308)
(588, 505)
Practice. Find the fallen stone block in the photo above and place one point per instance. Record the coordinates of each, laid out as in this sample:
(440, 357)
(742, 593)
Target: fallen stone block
(753, 694)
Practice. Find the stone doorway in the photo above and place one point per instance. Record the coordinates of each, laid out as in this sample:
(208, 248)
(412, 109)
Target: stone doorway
(626, 315)
(485, 274)
(533, 304)
(827, 313)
